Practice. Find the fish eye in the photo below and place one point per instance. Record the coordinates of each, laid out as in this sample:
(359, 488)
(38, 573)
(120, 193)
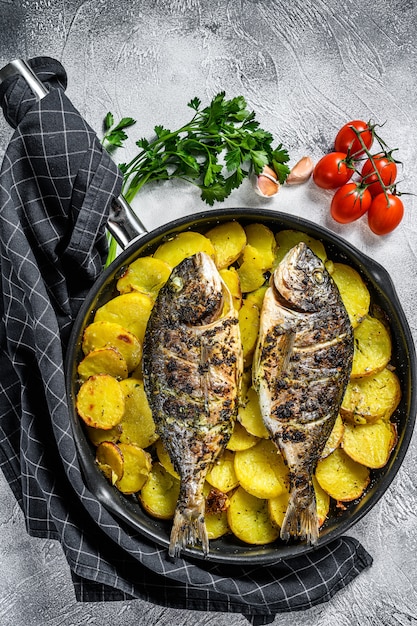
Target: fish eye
(318, 277)
(177, 284)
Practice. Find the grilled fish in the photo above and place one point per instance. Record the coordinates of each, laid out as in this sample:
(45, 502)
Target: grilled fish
(192, 365)
(301, 367)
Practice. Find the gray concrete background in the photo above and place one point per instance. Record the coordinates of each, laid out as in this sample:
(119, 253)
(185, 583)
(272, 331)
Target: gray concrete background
(305, 68)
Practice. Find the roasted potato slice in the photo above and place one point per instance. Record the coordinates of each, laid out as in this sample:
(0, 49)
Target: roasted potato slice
(98, 435)
(146, 275)
(217, 524)
(160, 492)
(228, 240)
(262, 239)
(322, 502)
(137, 423)
(241, 439)
(287, 239)
(222, 475)
(261, 470)
(163, 458)
(251, 269)
(249, 519)
(182, 246)
(109, 334)
(335, 437)
(248, 316)
(256, 297)
(215, 516)
(103, 361)
(371, 398)
(137, 464)
(110, 461)
(249, 415)
(231, 279)
(370, 444)
(353, 291)
(130, 310)
(341, 477)
(372, 351)
(100, 402)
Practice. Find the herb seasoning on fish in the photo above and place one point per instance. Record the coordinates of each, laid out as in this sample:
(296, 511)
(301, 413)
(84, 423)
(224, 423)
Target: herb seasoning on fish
(192, 365)
(301, 367)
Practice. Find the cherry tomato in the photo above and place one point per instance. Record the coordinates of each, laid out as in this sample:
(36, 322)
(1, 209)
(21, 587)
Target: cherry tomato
(349, 203)
(387, 169)
(347, 140)
(332, 171)
(385, 213)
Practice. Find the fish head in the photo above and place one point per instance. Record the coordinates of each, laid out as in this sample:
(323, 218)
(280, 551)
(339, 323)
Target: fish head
(301, 282)
(196, 290)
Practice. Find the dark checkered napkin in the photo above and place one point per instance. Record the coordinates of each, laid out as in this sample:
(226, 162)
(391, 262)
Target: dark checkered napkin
(56, 185)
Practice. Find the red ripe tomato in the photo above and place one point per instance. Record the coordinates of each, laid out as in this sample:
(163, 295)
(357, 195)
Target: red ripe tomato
(332, 171)
(387, 169)
(385, 213)
(347, 140)
(349, 203)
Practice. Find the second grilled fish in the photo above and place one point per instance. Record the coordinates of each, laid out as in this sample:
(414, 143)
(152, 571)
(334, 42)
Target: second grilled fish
(301, 368)
(192, 364)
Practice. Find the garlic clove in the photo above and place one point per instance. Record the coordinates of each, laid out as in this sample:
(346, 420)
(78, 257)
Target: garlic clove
(266, 183)
(301, 171)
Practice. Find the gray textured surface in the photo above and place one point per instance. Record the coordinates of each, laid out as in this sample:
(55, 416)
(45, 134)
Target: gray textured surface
(306, 68)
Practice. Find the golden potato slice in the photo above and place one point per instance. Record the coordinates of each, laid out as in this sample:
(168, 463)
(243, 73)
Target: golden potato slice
(222, 475)
(370, 444)
(100, 401)
(228, 241)
(103, 361)
(98, 435)
(249, 519)
(341, 477)
(217, 524)
(137, 465)
(231, 279)
(262, 238)
(110, 461)
(371, 398)
(322, 502)
(137, 423)
(287, 239)
(241, 439)
(251, 269)
(182, 246)
(159, 494)
(277, 507)
(256, 297)
(108, 334)
(353, 291)
(130, 310)
(335, 437)
(163, 458)
(146, 275)
(261, 470)
(249, 415)
(248, 316)
(372, 350)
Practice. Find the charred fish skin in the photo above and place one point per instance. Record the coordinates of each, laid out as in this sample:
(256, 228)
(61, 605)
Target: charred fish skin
(301, 367)
(192, 366)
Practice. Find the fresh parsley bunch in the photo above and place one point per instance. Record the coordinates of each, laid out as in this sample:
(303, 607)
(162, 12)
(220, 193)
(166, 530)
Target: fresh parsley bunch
(215, 150)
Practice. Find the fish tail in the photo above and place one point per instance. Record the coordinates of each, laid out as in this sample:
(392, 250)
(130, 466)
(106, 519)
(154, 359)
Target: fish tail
(301, 518)
(188, 528)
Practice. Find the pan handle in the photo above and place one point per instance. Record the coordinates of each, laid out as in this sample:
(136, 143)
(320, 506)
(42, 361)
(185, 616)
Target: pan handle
(123, 223)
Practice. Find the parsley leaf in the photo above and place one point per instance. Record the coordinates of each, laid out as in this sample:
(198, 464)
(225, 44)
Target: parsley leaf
(215, 150)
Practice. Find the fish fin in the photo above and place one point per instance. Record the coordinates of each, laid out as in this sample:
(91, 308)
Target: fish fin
(188, 529)
(301, 518)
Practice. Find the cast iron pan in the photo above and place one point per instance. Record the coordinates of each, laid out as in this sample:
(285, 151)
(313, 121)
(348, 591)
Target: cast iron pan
(229, 549)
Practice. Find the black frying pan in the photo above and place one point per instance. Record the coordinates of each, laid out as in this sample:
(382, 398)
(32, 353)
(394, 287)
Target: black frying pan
(229, 549)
